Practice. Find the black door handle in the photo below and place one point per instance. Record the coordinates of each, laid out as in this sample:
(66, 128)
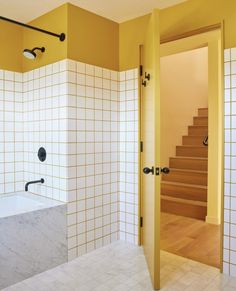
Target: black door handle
(148, 171)
(165, 170)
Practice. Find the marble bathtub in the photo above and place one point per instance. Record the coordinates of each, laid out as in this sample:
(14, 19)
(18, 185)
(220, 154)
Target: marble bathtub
(32, 236)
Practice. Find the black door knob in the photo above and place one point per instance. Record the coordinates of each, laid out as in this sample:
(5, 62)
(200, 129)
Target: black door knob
(165, 170)
(148, 171)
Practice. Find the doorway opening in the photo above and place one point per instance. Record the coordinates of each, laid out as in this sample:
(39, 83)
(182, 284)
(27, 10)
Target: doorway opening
(191, 113)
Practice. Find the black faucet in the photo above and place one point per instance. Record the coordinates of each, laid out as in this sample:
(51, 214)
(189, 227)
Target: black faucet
(33, 182)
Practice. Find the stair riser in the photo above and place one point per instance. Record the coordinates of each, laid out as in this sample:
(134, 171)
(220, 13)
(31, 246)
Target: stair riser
(181, 163)
(200, 121)
(178, 191)
(192, 152)
(188, 210)
(196, 130)
(193, 140)
(203, 112)
(186, 177)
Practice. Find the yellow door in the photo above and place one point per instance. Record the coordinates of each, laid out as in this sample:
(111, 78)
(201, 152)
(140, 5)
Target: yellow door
(150, 157)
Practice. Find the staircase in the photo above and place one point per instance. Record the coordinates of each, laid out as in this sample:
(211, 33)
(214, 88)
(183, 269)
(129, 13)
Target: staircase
(184, 189)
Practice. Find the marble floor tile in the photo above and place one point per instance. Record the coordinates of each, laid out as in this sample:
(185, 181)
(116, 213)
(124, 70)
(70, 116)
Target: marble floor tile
(122, 267)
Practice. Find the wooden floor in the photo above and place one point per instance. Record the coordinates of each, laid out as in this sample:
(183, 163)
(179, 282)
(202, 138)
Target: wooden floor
(191, 238)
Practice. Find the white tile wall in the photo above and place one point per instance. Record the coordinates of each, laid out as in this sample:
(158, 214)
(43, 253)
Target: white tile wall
(46, 125)
(86, 117)
(11, 132)
(128, 156)
(93, 185)
(230, 164)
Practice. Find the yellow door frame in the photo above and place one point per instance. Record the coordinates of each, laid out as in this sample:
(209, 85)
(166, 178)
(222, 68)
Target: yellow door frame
(202, 37)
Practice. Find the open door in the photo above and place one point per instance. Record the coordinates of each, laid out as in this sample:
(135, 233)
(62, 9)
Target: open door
(150, 156)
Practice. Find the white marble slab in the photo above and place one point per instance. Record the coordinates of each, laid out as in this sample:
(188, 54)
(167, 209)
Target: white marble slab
(22, 202)
(31, 243)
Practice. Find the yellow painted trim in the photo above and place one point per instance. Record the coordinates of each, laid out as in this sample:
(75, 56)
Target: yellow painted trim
(223, 151)
(139, 147)
(213, 220)
(157, 119)
(191, 33)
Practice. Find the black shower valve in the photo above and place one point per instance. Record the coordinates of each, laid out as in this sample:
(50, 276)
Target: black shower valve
(42, 154)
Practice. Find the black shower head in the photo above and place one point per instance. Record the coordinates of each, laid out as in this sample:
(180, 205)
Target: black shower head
(30, 54)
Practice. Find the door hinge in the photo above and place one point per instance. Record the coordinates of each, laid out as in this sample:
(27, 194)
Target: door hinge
(141, 222)
(141, 146)
(141, 70)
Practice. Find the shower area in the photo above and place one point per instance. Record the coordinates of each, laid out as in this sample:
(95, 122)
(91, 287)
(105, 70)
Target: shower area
(68, 162)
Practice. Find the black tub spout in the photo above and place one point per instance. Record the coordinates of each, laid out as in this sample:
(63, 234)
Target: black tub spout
(33, 182)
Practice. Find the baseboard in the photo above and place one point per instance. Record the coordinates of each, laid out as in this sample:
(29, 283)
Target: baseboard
(213, 220)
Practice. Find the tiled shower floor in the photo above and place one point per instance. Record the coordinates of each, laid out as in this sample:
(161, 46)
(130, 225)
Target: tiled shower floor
(122, 267)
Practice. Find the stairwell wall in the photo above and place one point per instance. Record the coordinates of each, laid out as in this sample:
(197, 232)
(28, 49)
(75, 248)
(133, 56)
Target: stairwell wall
(184, 89)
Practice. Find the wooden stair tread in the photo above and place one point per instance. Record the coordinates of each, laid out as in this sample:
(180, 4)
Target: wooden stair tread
(192, 151)
(198, 136)
(184, 184)
(201, 126)
(187, 170)
(202, 111)
(184, 190)
(199, 130)
(184, 201)
(196, 140)
(189, 158)
(195, 136)
(186, 176)
(185, 157)
(200, 120)
(193, 146)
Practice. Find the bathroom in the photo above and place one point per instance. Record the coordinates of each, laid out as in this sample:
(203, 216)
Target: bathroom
(60, 124)
(69, 149)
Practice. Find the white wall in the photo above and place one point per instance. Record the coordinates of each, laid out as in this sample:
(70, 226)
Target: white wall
(128, 166)
(86, 117)
(45, 125)
(93, 160)
(229, 256)
(184, 89)
(11, 132)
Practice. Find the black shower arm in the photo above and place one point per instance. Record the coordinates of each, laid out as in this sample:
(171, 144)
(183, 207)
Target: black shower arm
(42, 49)
(61, 36)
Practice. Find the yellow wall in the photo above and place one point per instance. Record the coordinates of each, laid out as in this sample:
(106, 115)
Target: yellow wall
(89, 38)
(96, 40)
(131, 35)
(187, 73)
(55, 21)
(92, 39)
(10, 49)
(178, 19)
